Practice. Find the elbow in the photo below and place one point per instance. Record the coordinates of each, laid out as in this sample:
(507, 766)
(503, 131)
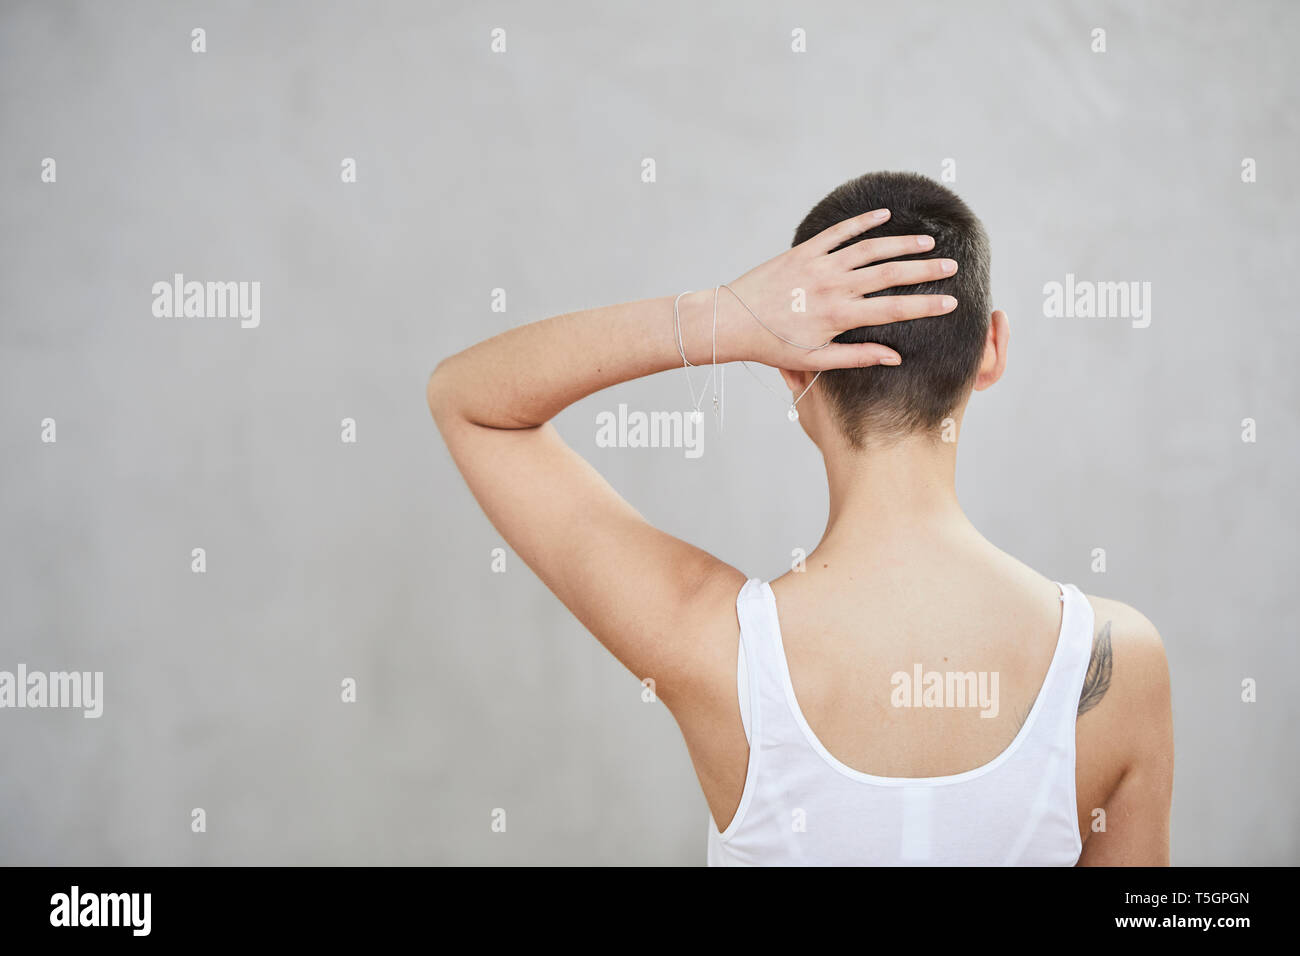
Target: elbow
(437, 394)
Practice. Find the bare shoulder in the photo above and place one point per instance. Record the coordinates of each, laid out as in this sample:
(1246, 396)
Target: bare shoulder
(1125, 636)
(706, 639)
(1126, 690)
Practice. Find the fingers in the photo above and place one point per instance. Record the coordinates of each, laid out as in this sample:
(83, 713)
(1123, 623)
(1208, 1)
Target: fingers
(882, 311)
(889, 275)
(843, 231)
(853, 356)
(877, 250)
(893, 308)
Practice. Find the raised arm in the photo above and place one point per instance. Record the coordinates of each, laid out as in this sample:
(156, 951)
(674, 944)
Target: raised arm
(637, 589)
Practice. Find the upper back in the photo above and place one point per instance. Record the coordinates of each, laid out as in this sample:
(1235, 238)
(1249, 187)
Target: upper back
(855, 639)
(912, 732)
(1075, 750)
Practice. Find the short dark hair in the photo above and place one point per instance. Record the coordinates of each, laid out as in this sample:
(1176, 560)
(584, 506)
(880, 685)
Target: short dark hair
(941, 354)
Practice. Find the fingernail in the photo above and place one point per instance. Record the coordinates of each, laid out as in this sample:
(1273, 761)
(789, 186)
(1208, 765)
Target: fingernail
(880, 214)
(949, 303)
(925, 242)
(891, 360)
(949, 266)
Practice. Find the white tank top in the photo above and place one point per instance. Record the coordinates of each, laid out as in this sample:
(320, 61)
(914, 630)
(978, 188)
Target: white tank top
(802, 806)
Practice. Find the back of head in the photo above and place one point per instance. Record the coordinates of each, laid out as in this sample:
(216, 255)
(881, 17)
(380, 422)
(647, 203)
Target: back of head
(941, 354)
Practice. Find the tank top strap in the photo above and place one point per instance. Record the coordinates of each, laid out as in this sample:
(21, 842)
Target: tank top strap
(762, 685)
(1075, 653)
(756, 613)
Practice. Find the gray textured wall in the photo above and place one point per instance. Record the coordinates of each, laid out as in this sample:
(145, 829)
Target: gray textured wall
(522, 171)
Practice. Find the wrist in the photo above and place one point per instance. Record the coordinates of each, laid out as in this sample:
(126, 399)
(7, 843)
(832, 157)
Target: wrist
(699, 331)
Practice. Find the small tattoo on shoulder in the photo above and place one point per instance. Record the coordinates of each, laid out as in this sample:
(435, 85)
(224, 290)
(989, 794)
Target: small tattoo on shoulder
(1097, 681)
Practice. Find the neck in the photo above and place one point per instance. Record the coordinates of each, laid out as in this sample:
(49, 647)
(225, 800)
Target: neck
(880, 494)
